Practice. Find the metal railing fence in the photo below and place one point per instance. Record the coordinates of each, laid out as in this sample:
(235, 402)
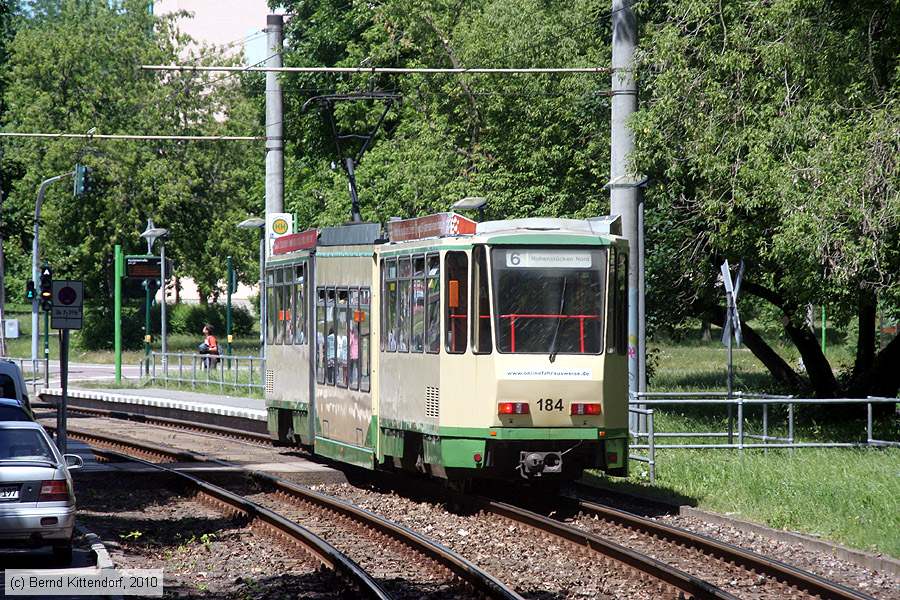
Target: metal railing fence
(205, 370)
(36, 372)
(739, 400)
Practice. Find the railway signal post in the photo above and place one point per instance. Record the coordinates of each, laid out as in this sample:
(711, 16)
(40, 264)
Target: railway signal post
(66, 313)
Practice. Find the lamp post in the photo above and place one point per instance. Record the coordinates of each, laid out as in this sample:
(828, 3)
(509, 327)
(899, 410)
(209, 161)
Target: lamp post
(472, 203)
(151, 234)
(257, 223)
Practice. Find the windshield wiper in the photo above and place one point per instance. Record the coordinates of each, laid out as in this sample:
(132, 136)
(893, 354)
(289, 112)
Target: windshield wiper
(562, 306)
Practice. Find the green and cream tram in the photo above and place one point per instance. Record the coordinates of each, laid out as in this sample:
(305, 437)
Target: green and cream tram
(452, 348)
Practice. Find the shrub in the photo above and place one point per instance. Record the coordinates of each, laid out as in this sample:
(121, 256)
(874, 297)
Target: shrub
(190, 318)
(98, 328)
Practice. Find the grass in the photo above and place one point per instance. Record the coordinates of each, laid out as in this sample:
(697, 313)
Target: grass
(845, 495)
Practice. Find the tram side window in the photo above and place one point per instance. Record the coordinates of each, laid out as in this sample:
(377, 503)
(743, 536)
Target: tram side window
(353, 348)
(320, 335)
(300, 304)
(418, 305)
(456, 296)
(288, 292)
(330, 337)
(389, 305)
(404, 289)
(279, 306)
(341, 332)
(481, 320)
(270, 308)
(365, 343)
(433, 305)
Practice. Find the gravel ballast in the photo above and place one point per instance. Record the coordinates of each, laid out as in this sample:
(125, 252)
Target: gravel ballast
(203, 553)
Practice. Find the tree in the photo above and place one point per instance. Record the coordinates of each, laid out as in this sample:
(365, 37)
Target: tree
(530, 144)
(772, 131)
(78, 69)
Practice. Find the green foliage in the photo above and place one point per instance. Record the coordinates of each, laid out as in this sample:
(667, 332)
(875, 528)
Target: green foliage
(97, 333)
(529, 144)
(190, 318)
(75, 66)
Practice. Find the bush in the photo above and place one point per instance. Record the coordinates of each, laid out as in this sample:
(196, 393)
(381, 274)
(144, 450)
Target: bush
(98, 328)
(189, 319)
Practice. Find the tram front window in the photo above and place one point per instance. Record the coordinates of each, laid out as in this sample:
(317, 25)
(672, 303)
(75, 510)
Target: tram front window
(549, 300)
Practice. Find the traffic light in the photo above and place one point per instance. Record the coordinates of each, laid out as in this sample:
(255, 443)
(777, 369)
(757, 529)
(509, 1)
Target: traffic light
(29, 290)
(46, 288)
(83, 181)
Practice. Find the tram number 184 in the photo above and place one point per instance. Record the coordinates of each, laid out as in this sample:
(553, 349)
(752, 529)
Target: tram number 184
(549, 404)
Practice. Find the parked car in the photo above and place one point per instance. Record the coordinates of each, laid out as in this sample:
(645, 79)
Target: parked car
(13, 410)
(37, 502)
(12, 383)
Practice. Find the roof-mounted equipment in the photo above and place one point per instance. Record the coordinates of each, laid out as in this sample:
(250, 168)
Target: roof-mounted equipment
(296, 241)
(446, 224)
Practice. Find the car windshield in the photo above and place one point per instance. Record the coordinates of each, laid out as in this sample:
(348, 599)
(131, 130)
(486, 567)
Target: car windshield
(549, 300)
(24, 445)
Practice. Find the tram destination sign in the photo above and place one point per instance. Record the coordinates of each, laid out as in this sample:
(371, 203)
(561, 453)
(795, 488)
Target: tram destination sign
(548, 259)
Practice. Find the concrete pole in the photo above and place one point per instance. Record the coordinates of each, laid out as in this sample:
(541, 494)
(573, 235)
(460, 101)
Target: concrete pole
(35, 261)
(642, 297)
(623, 193)
(274, 117)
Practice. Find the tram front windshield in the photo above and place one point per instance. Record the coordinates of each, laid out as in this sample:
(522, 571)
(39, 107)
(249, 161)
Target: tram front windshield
(549, 300)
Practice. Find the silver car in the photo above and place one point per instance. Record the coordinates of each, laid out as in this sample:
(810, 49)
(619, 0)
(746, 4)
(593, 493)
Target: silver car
(37, 504)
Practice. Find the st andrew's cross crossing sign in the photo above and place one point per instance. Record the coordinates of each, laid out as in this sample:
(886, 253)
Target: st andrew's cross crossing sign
(732, 291)
(68, 303)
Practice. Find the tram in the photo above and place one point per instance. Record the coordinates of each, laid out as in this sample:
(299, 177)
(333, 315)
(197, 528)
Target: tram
(452, 348)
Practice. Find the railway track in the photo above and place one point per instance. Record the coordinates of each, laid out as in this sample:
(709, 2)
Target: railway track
(664, 579)
(751, 562)
(788, 579)
(192, 426)
(260, 518)
(353, 528)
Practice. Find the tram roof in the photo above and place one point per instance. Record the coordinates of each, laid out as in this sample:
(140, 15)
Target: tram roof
(451, 227)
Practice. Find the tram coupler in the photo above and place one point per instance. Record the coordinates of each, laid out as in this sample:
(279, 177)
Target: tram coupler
(535, 464)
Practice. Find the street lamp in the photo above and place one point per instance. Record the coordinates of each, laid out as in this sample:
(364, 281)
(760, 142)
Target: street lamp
(472, 203)
(151, 234)
(257, 223)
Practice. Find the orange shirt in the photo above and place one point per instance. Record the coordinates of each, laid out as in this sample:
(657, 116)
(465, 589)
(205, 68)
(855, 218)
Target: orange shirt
(212, 342)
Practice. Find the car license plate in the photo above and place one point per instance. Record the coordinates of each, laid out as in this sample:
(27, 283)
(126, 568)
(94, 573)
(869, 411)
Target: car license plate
(9, 493)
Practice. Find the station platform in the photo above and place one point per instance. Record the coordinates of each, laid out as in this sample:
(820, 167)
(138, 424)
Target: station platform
(247, 414)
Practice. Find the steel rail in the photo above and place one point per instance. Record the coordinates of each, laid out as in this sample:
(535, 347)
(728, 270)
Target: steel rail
(785, 573)
(283, 528)
(479, 581)
(181, 424)
(255, 515)
(682, 584)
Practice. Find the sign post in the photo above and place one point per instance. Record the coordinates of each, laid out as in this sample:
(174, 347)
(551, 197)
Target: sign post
(732, 331)
(67, 313)
(277, 225)
(118, 259)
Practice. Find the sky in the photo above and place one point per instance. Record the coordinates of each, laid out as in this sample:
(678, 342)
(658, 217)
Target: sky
(236, 23)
